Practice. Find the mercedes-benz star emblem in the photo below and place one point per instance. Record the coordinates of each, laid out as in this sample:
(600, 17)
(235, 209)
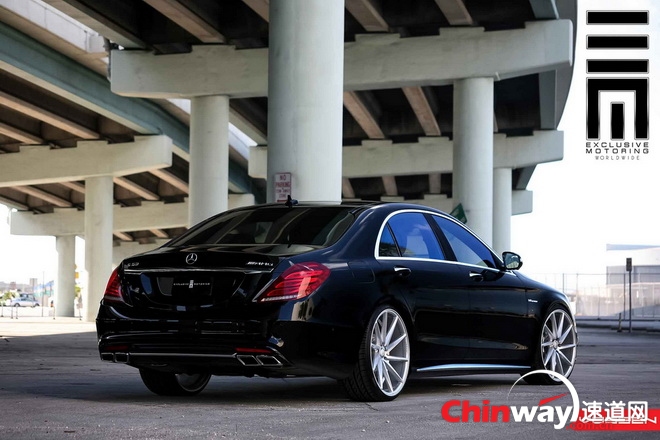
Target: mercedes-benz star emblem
(191, 258)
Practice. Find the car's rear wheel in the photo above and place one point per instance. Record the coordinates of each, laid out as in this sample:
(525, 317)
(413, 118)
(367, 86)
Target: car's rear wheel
(384, 359)
(17, 305)
(557, 347)
(172, 384)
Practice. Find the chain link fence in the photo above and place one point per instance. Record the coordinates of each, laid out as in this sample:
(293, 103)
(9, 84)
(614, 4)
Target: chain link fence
(607, 295)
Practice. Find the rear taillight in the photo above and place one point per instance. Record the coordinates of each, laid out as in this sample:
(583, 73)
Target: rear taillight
(298, 281)
(113, 289)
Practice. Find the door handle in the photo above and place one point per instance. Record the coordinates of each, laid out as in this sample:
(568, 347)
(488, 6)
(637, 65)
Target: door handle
(476, 276)
(402, 271)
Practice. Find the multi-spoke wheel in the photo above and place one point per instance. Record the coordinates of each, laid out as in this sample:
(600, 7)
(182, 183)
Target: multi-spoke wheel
(557, 347)
(384, 359)
(171, 384)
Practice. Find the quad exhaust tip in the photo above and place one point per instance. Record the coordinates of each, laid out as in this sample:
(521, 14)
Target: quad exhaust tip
(248, 360)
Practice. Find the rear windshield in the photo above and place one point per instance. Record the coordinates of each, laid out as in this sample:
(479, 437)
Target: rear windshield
(313, 226)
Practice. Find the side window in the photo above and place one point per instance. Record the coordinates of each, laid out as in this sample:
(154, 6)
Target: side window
(414, 236)
(467, 248)
(387, 246)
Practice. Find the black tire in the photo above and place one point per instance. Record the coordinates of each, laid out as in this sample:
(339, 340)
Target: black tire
(17, 305)
(172, 384)
(557, 347)
(385, 354)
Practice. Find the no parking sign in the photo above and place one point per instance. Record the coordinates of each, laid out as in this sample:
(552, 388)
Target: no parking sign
(282, 186)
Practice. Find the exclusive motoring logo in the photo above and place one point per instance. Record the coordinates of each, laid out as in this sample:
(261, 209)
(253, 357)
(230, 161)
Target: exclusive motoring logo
(612, 416)
(617, 97)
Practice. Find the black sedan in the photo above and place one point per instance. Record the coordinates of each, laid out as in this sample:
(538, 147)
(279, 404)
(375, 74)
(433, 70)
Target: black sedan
(365, 293)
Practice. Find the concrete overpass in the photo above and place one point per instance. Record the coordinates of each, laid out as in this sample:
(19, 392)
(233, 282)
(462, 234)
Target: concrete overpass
(141, 111)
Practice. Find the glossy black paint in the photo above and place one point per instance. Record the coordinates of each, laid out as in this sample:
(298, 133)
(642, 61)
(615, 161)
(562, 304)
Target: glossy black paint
(202, 317)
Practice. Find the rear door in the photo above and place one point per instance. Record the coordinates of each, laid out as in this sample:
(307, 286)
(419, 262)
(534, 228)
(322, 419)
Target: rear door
(409, 249)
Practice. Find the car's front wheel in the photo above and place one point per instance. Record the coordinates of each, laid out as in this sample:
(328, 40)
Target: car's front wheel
(384, 359)
(172, 384)
(557, 347)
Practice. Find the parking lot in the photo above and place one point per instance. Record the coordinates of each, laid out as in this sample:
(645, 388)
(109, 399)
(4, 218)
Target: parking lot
(54, 386)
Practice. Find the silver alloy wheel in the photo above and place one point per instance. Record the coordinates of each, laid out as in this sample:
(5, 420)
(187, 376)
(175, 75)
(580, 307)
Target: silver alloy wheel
(390, 352)
(559, 343)
(193, 383)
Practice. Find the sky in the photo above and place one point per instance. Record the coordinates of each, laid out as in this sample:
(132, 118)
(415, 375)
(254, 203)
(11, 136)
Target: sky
(580, 204)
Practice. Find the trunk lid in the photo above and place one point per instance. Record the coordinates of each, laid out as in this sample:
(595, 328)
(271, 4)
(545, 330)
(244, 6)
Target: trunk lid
(198, 279)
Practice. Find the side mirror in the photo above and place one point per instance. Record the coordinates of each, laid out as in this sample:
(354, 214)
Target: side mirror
(512, 261)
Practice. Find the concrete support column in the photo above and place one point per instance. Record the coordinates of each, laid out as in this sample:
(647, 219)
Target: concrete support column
(65, 291)
(209, 157)
(502, 209)
(473, 153)
(305, 89)
(98, 241)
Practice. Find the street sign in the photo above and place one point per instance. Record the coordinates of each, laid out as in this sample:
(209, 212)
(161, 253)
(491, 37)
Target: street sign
(282, 187)
(459, 213)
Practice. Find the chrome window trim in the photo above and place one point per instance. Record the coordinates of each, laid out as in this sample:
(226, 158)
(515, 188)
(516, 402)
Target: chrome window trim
(457, 263)
(445, 216)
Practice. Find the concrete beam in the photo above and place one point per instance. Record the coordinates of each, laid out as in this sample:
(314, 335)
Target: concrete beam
(135, 188)
(435, 183)
(373, 61)
(388, 61)
(368, 14)
(522, 202)
(123, 236)
(150, 215)
(389, 183)
(56, 30)
(422, 108)
(544, 9)
(89, 159)
(42, 66)
(523, 151)
(51, 118)
(19, 135)
(363, 115)
(347, 191)
(377, 158)
(96, 21)
(260, 7)
(173, 180)
(43, 195)
(13, 204)
(78, 187)
(159, 233)
(188, 20)
(455, 12)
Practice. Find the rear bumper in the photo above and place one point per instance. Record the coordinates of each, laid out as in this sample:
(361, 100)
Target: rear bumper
(271, 348)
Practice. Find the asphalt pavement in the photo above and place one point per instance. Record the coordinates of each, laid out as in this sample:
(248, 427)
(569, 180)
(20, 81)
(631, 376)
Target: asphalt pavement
(53, 386)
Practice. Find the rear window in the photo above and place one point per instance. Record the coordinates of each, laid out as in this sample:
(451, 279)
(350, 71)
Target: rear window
(312, 226)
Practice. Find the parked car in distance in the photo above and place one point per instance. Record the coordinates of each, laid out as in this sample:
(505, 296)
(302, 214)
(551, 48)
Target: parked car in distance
(24, 300)
(365, 293)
